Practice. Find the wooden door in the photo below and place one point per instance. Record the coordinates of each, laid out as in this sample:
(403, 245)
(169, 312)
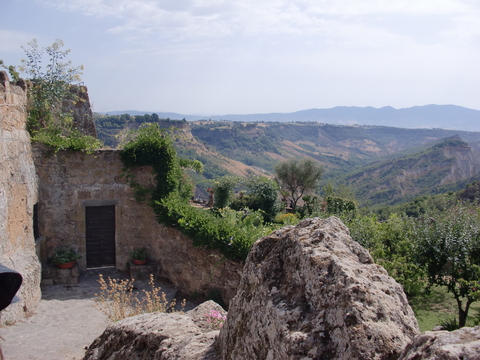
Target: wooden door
(100, 235)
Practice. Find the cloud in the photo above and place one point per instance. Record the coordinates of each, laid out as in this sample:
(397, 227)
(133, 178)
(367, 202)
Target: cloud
(10, 40)
(342, 22)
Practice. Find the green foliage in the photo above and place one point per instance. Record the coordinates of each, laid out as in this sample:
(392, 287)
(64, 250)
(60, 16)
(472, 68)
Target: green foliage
(312, 206)
(450, 324)
(390, 243)
(338, 205)
(228, 231)
(263, 195)
(298, 177)
(51, 86)
(12, 70)
(139, 254)
(448, 243)
(223, 189)
(74, 141)
(64, 255)
(286, 219)
(151, 146)
(211, 167)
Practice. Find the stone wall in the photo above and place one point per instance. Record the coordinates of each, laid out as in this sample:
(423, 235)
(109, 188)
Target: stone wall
(70, 181)
(81, 111)
(18, 195)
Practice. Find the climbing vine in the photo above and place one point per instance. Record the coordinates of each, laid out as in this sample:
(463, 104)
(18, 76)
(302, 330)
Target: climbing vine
(228, 231)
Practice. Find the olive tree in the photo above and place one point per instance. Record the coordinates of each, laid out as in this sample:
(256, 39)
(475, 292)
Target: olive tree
(448, 244)
(298, 177)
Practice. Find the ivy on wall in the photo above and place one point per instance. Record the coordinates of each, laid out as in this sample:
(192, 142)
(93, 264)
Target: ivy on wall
(230, 232)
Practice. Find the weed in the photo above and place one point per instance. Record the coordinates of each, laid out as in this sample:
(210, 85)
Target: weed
(450, 324)
(118, 299)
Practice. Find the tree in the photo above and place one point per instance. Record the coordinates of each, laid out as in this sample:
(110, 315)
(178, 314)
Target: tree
(263, 195)
(448, 244)
(223, 189)
(298, 177)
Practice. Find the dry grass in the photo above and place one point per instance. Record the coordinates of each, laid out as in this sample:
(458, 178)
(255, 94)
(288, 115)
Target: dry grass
(118, 299)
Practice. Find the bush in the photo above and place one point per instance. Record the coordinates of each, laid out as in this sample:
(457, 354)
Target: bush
(286, 219)
(223, 189)
(230, 232)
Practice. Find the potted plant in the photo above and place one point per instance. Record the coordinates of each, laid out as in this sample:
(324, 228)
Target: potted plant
(139, 256)
(65, 258)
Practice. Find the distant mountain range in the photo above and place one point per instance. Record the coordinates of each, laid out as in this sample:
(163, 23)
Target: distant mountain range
(429, 116)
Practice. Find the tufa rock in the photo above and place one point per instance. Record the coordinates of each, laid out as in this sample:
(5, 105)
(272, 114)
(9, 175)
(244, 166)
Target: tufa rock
(18, 195)
(311, 292)
(431, 345)
(159, 336)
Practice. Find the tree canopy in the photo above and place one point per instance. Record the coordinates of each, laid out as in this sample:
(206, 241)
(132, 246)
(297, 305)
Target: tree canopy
(298, 177)
(448, 244)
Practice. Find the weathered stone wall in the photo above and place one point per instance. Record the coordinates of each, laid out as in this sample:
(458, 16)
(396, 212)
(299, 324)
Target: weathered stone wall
(17, 197)
(81, 111)
(69, 181)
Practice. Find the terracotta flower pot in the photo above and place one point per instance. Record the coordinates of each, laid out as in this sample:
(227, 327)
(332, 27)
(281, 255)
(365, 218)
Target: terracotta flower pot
(139, 262)
(68, 265)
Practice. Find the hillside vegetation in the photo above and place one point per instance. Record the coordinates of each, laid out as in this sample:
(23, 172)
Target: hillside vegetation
(413, 245)
(384, 165)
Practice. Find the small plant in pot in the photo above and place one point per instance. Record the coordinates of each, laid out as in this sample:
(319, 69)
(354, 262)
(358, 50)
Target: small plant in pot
(65, 258)
(139, 256)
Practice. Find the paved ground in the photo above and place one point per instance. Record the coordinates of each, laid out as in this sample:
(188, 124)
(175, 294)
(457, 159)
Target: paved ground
(64, 323)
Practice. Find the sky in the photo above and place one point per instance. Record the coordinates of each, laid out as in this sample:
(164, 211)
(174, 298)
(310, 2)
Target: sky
(215, 57)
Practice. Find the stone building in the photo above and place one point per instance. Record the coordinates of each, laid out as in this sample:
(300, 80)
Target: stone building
(85, 202)
(72, 199)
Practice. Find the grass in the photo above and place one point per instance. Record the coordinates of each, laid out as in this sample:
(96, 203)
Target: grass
(438, 306)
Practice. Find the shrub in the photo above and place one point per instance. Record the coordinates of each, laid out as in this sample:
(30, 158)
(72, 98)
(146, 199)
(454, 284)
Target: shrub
(230, 232)
(223, 189)
(286, 219)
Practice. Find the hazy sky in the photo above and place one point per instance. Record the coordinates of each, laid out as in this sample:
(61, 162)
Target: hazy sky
(257, 56)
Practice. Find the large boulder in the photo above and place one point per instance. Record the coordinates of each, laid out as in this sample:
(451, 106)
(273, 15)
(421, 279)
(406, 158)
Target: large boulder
(431, 345)
(311, 292)
(159, 336)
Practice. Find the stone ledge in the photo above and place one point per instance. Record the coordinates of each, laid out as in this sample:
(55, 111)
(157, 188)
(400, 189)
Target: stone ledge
(141, 272)
(53, 275)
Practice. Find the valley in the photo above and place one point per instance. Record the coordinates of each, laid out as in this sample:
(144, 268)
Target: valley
(384, 165)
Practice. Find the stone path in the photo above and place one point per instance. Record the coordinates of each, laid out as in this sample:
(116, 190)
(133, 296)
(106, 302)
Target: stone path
(64, 323)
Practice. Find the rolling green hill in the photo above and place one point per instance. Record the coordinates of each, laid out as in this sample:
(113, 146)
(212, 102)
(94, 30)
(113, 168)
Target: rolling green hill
(383, 164)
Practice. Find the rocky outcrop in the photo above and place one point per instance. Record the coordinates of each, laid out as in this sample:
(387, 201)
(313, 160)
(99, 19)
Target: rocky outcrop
(18, 194)
(431, 345)
(311, 292)
(307, 292)
(78, 105)
(159, 336)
